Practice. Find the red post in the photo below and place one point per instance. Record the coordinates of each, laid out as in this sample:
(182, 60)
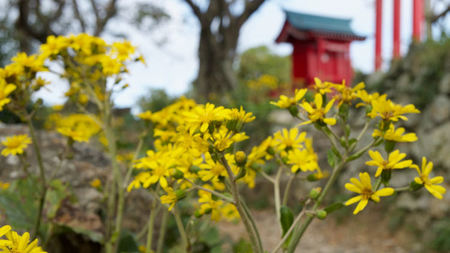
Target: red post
(378, 30)
(396, 35)
(418, 17)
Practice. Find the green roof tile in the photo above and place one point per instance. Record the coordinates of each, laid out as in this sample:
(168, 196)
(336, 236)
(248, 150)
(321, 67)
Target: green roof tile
(308, 22)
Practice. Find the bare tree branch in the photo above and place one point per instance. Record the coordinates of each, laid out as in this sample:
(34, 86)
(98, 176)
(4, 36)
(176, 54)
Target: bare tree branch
(250, 7)
(440, 15)
(195, 9)
(78, 15)
(111, 11)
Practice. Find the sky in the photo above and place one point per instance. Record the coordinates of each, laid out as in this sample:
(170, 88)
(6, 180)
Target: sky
(171, 50)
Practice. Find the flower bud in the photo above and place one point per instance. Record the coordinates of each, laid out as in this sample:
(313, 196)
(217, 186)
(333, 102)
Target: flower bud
(321, 214)
(240, 158)
(181, 194)
(178, 174)
(315, 192)
(198, 213)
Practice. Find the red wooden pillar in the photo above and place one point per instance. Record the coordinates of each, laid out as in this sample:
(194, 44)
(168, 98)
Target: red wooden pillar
(418, 18)
(396, 35)
(378, 30)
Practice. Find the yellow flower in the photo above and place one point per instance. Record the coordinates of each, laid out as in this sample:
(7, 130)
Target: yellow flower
(394, 161)
(389, 111)
(240, 115)
(396, 135)
(431, 184)
(322, 87)
(5, 90)
(224, 138)
(79, 127)
(110, 66)
(21, 244)
(54, 45)
(170, 198)
(4, 186)
(201, 116)
(305, 159)
(364, 188)
(23, 62)
(123, 50)
(15, 144)
(285, 102)
(96, 183)
(209, 205)
(211, 169)
(287, 140)
(366, 97)
(347, 94)
(147, 115)
(316, 112)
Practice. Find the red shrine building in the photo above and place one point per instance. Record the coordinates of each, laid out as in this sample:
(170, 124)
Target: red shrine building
(321, 47)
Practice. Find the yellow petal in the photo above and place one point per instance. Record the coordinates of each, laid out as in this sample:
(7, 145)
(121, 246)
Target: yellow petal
(361, 205)
(384, 192)
(352, 188)
(353, 200)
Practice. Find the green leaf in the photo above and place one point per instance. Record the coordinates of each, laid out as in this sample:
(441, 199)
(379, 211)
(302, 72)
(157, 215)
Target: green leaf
(127, 243)
(389, 146)
(333, 207)
(386, 176)
(286, 218)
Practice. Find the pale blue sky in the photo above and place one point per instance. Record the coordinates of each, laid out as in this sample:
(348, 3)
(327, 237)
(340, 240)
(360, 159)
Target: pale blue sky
(171, 51)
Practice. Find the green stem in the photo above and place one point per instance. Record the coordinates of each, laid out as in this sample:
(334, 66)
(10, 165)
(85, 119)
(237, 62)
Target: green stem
(162, 232)
(246, 217)
(117, 182)
(182, 231)
(294, 224)
(217, 194)
(276, 193)
(151, 225)
(297, 234)
(288, 188)
(42, 176)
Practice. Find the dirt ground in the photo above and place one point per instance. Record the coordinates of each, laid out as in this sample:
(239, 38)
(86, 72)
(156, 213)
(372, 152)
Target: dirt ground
(366, 232)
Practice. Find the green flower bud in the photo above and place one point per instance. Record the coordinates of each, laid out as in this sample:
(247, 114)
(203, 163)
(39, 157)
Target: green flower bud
(178, 174)
(198, 214)
(315, 192)
(321, 214)
(181, 194)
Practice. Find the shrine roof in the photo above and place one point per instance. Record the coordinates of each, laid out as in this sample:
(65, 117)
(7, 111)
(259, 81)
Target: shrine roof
(322, 24)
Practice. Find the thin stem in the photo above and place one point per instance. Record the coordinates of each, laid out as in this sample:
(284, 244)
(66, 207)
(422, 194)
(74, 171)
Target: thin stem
(297, 235)
(288, 188)
(42, 176)
(363, 131)
(182, 231)
(162, 231)
(218, 194)
(243, 211)
(276, 193)
(25, 165)
(294, 224)
(135, 156)
(150, 226)
(402, 189)
(264, 174)
(378, 183)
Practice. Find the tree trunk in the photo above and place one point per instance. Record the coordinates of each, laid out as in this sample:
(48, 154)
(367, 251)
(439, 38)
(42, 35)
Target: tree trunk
(215, 75)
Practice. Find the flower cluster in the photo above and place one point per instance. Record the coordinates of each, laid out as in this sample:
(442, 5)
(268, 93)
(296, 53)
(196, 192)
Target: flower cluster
(15, 243)
(195, 148)
(327, 104)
